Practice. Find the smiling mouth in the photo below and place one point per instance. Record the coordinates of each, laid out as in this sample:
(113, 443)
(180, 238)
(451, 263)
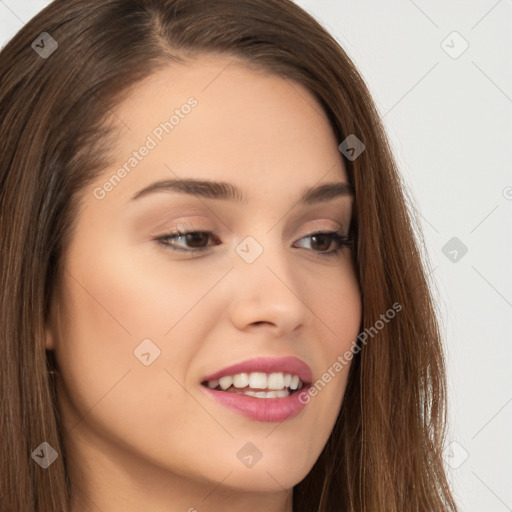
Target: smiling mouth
(257, 384)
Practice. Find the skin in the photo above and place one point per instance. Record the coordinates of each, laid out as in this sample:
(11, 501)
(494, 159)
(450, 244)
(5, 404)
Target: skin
(146, 437)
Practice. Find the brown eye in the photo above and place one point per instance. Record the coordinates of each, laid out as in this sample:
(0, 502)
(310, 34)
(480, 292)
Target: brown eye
(187, 242)
(197, 239)
(321, 241)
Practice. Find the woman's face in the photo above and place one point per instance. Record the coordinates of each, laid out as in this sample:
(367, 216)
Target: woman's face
(140, 326)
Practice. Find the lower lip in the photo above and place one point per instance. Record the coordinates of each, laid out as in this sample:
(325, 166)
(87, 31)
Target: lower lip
(259, 409)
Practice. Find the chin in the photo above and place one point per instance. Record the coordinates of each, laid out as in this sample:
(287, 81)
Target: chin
(271, 473)
(264, 480)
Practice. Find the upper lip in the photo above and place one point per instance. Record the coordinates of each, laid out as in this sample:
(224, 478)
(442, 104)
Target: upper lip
(291, 364)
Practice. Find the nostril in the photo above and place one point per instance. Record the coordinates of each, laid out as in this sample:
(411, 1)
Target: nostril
(261, 322)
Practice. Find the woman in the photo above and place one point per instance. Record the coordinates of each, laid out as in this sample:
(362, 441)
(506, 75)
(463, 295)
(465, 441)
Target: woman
(212, 298)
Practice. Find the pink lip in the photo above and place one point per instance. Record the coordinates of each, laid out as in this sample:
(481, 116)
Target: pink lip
(260, 409)
(292, 365)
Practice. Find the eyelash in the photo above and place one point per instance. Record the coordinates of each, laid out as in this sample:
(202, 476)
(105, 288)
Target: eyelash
(336, 236)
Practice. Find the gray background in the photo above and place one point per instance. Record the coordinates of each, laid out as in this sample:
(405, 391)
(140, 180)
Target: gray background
(449, 119)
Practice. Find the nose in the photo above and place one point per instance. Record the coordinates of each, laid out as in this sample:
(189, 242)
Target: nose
(269, 294)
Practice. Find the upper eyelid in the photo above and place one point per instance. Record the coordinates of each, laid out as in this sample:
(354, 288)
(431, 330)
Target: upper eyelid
(191, 226)
(321, 213)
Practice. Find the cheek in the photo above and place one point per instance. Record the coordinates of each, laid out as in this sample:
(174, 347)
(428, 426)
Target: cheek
(110, 395)
(120, 297)
(339, 309)
(110, 303)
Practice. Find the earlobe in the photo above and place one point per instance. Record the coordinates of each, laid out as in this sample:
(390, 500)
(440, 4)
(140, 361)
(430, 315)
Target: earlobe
(51, 323)
(49, 339)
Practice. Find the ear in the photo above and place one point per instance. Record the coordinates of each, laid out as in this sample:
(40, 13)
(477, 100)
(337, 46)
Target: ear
(51, 326)
(49, 339)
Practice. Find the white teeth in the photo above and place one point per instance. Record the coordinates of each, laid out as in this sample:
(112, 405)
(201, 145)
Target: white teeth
(225, 382)
(270, 394)
(294, 384)
(240, 380)
(257, 380)
(212, 384)
(275, 381)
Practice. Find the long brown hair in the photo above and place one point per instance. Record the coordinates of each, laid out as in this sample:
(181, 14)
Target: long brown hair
(385, 452)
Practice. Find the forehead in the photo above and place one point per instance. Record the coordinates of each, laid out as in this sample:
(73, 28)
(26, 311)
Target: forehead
(245, 125)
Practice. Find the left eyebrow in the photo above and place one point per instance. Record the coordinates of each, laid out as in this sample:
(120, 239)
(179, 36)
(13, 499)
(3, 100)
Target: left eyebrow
(228, 191)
